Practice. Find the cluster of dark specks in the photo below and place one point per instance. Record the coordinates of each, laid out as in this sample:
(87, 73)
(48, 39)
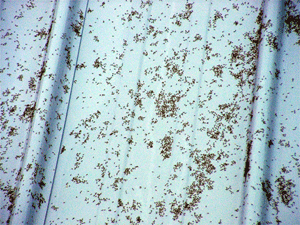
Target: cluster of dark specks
(166, 147)
(28, 112)
(68, 57)
(184, 15)
(282, 192)
(292, 18)
(80, 65)
(285, 190)
(77, 26)
(166, 104)
(79, 180)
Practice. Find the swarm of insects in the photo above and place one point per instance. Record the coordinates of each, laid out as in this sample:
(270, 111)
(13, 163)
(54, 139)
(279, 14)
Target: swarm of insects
(149, 112)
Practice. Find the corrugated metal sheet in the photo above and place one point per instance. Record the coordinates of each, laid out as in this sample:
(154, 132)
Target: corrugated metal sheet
(150, 112)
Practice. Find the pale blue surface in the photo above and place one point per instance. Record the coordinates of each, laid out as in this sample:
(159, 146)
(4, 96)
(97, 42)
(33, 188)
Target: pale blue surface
(153, 125)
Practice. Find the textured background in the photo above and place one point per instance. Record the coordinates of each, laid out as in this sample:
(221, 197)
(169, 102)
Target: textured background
(150, 112)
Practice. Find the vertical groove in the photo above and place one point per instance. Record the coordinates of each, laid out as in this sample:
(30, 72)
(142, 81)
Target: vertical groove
(251, 127)
(66, 118)
(31, 124)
